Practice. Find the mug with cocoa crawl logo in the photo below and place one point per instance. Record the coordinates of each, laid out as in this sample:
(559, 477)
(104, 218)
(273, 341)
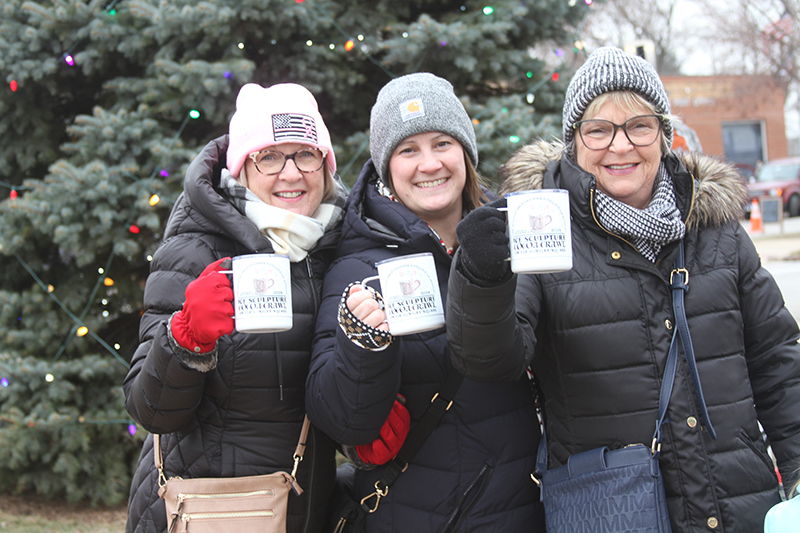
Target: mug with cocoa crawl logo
(539, 231)
(410, 290)
(262, 291)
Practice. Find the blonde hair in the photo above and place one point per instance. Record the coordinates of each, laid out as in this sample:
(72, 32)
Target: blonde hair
(629, 101)
(328, 191)
(794, 488)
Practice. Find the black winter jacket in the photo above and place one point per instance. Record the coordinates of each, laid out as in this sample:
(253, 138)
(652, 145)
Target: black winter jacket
(473, 472)
(598, 336)
(244, 417)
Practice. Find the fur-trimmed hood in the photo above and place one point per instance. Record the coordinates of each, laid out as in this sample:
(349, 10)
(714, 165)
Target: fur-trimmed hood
(719, 194)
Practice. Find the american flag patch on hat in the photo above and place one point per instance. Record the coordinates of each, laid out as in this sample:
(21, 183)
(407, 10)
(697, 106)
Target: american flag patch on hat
(291, 126)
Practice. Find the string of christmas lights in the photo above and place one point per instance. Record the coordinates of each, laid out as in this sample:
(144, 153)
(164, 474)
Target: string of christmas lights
(63, 420)
(80, 329)
(349, 45)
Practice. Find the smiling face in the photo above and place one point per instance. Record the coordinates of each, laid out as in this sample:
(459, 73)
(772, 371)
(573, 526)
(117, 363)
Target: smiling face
(428, 174)
(290, 189)
(624, 172)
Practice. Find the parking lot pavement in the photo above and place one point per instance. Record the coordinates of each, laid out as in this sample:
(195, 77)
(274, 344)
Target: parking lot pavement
(777, 242)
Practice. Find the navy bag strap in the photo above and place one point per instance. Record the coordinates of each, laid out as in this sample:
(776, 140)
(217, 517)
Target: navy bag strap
(679, 284)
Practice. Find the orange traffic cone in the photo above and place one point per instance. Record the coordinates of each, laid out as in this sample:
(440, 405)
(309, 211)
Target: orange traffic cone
(755, 217)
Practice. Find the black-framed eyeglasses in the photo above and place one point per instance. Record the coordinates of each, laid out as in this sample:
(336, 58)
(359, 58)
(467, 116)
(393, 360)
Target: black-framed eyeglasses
(272, 162)
(598, 134)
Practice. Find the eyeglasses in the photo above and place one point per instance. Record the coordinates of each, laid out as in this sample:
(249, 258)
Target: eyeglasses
(599, 134)
(272, 162)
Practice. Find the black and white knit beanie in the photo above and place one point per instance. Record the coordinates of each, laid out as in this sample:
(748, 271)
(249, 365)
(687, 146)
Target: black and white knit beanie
(611, 69)
(412, 104)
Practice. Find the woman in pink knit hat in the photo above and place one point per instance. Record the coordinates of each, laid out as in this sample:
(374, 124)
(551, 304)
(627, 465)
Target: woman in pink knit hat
(226, 403)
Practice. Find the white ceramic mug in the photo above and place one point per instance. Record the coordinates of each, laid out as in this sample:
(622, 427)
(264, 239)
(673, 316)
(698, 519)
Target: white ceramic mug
(262, 292)
(539, 231)
(411, 296)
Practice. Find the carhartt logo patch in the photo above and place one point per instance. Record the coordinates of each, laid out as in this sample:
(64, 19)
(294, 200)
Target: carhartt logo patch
(411, 109)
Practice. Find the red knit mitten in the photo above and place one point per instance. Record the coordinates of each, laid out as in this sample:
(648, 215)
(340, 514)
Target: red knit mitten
(207, 312)
(392, 436)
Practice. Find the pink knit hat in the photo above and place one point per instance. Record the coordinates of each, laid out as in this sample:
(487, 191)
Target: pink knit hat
(283, 113)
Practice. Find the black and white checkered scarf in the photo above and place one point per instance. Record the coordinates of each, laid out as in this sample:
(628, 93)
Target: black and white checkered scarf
(649, 229)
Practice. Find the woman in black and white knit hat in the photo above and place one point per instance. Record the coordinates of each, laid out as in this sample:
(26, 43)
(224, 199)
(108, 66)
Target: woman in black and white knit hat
(597, 336)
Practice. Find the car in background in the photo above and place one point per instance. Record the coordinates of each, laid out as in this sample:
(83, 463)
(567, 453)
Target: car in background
(747, 172)
(779, 177)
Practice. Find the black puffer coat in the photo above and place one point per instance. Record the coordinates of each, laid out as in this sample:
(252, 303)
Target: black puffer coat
(598, 337)
(472, 473)
(243, 417)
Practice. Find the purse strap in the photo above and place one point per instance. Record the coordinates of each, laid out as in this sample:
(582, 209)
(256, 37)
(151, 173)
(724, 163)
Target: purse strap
(299, 451)
(679, 285)
(440, 404)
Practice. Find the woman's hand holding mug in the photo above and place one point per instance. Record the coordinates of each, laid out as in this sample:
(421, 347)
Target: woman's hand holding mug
(366, 308)
(207, 310)
(483, 243)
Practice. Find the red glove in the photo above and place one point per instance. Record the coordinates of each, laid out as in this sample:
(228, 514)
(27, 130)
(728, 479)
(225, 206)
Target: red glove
(207, 311)
(393, 435)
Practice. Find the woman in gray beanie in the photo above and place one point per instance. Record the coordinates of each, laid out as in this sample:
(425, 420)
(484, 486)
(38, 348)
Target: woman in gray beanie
(597, 336)
(472, 472)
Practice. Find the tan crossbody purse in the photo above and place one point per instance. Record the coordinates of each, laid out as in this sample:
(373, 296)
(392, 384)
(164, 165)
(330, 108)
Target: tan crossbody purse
(229, 504)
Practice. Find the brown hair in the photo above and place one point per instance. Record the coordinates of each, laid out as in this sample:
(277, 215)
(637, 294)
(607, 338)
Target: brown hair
(472, 196)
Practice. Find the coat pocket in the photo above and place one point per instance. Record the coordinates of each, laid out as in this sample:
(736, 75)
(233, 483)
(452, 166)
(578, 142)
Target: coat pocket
(760, 452)
(468, 499)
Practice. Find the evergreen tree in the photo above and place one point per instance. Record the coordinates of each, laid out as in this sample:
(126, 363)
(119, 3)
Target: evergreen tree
(104, 104)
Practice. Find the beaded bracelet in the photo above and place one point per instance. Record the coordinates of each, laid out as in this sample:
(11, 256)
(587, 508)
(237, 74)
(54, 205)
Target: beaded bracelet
(362, 334)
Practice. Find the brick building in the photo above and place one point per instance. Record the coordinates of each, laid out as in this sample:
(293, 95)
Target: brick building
(738, 117)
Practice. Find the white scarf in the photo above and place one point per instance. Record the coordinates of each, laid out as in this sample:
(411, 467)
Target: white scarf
(290, 234)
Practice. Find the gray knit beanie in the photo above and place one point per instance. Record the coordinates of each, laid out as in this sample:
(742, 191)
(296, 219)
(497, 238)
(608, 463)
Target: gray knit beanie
(611, 69)
(417, 103)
